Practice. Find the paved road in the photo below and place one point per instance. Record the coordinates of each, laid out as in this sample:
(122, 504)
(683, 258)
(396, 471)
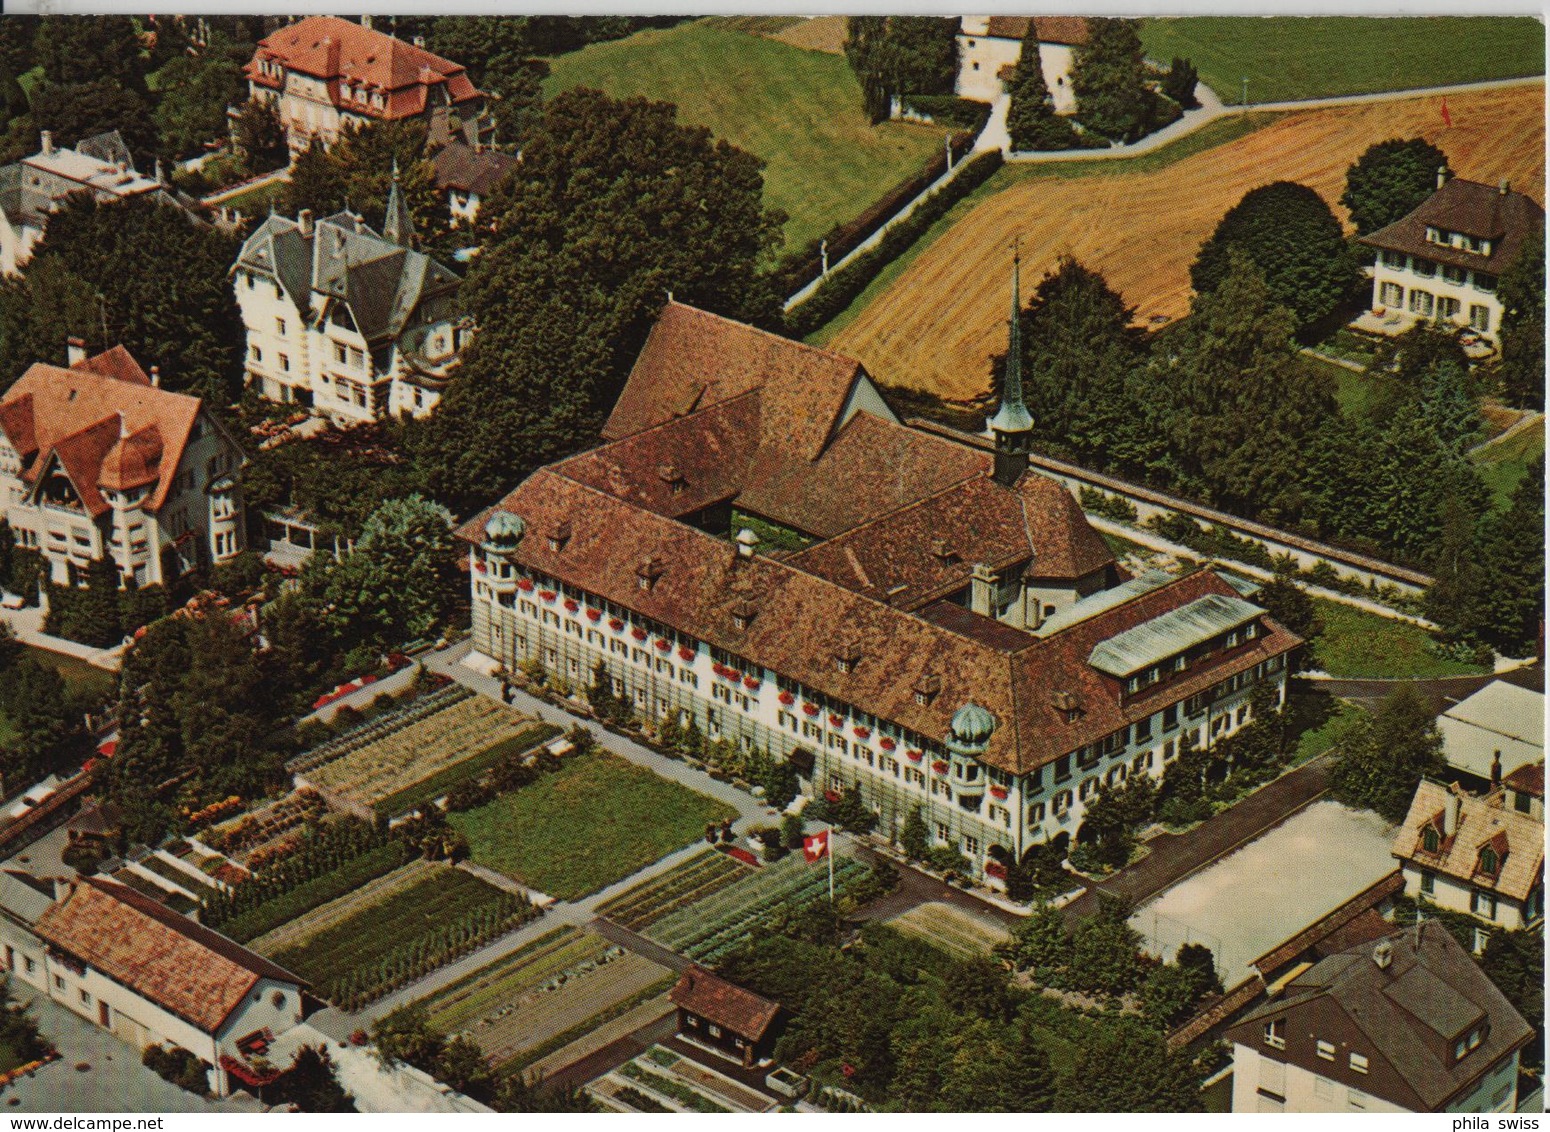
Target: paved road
(634, 941)
(1173, 856)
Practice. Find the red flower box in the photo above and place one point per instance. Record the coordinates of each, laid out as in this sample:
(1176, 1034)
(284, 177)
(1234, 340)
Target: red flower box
(480, 566)
(810, 709)
(664, 646)
(594, 615)
(571, 605)
(995, 869)
(525, 585)
(751, 683)
(939, 766)
(998, 793)
(836, 720)
(886, 743)
(832, 796)
(787, 698)
(914, 756)
(638, 634)
(685, 653)
(548, 595)
(616, 625)
(862, 732)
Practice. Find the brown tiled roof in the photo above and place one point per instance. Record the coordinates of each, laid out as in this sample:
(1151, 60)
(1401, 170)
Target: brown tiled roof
(78, 414)
(1527, 779)
(461, 166)
(1482, 211)
(1404, 1018)
(1519, 841)
(335, 49)
(1070, 30)
(693, 359)
(725, 1004)
(197, 974)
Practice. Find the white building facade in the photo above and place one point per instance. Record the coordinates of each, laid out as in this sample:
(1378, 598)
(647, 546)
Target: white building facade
(989, 45)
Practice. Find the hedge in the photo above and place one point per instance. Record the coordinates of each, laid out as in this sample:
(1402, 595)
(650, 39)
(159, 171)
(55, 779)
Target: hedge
(418, 793)
(842, 287)
(950, 110)
(797, 270)
(320, 890)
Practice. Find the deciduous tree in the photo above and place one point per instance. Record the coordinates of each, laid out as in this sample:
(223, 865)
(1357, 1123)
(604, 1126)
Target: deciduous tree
(1522, 293)
(1383, 759)
(1108, 79)
(1391, 180)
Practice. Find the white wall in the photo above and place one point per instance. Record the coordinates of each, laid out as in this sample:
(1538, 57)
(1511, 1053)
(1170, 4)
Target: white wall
(1399, 271)
(980, 59)
(1304, 1091)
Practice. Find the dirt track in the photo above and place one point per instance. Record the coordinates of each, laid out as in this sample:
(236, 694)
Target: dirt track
(936, 328)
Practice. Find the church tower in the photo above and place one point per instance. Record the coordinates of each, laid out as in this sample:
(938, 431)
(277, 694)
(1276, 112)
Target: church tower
(398, 226)
(1012, 425)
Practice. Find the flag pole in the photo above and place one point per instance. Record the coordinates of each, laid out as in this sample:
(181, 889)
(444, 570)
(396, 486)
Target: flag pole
(829, 846)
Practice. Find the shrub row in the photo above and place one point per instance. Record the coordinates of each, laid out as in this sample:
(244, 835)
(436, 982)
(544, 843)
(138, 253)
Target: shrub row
(323, 851)
(949, 110)
(842, 287)
(1115, 507)
(469, 770)
(797, 270)
(417, 958)
(320, 890)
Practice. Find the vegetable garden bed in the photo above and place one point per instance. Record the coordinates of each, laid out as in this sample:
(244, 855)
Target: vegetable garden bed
(949, 930)
(663, 895)
(196, 887)
(443, 781)
(318, 891)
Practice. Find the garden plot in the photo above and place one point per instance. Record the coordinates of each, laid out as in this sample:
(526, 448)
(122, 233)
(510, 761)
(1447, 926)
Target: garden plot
(543, 991)
(399, 759)
(677, 888)
(257, 831)
(960, 934)
(320, 919)
(727, 919)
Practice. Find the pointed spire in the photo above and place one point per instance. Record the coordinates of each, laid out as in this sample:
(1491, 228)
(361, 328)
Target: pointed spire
(1012, 423)
(399, 225)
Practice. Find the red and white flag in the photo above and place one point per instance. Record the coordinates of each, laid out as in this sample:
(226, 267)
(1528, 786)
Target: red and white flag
(815, 846)
(1447, 119)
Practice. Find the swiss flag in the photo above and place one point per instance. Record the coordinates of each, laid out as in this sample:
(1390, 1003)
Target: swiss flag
(815, 846)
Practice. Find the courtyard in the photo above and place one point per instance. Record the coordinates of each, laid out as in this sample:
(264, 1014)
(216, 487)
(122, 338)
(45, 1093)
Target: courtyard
(1249, 901)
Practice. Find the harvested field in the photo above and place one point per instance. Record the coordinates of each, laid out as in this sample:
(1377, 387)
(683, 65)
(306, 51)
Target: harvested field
(949, 929)
(660, 896)
(936, 328)
(325, 916)
(424, 748)
(815, 33)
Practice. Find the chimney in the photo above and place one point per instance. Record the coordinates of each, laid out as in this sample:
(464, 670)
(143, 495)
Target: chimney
(982, 590)
(1450, 813)
(75, 350)
(746, 542)
(161, 173)
(48, 142)
(1504, 186)
(366, 22)
(304, 220)
(419, 41)
(1383, 954)
(156, 376)
(1442, 175)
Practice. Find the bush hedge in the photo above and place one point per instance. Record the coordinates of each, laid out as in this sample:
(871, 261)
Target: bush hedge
(964, 114)
(842, 287)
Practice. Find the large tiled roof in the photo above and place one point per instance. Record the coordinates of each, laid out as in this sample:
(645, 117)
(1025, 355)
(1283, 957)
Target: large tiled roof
(104, 421)
(1506, 218)
(197, 974)
(725, 1004)
(1527, 780)
(1070, 30)
(1517, 839)
(464, 167)
(1403, 1017)
(383, 283)
(339, 50)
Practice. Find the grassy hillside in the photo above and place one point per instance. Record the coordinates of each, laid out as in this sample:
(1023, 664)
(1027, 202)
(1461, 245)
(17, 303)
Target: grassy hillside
(1289, 57)
(798, 110)
(1503, 463)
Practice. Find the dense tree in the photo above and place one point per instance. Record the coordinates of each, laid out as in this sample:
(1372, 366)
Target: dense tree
(1292, 239)
(500, 54)
(1180, 81)
(311, 1084)
(1104, 957)
(914, 837)
(43, 715)
(17, 35)
(893, 56)
(1390, 180)
(1113, 817)
(260, 135)
(1515, 962)
(1127, 1067)
(1031, 119)
(86, 49)
(1039, 941)
(1448, 408)
(1384, 758)
(1522, 293)
(614, 205)
(358, 173)
(1513, 556)
(196, 90)
(73, 112)
(185, 321)
(1290, 604)
(1108, 80)
(978, 987)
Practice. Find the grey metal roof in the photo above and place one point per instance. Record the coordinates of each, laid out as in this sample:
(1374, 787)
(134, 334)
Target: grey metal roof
(1179, 629)
(21, 898)
(1103, 600)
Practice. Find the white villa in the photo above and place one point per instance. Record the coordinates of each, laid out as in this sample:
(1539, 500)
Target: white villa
(355, 325)
(990, 46)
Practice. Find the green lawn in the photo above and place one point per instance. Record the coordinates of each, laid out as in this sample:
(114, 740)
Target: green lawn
(798, 110)
(1364, 645)
(1357, 394)
(1290, 57)
(1335, 719)
(1207, 137)
(1503, 463)
(596, 820)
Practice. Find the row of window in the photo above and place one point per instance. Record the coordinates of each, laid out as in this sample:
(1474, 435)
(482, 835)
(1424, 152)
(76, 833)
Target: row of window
(1429, 269)
(1174, 665)
(1444, 238)
(1444, 308)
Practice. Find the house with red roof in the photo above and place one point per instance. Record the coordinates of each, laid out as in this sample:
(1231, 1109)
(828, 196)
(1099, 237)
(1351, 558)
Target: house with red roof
(990, 46)
(324, 73)
(725, 1018)
(97, 461)
(761, 545)
(147, 974)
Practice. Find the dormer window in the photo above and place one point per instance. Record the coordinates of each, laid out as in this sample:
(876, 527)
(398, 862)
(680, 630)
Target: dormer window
(670, 475)
(1431, 840)
(926, 689)
(1275, 1033)
(1489, 862)
(1470, 1042)
(743, 613)
(1436, 236)
(557, 535)
(847, 656)
(647, 573)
